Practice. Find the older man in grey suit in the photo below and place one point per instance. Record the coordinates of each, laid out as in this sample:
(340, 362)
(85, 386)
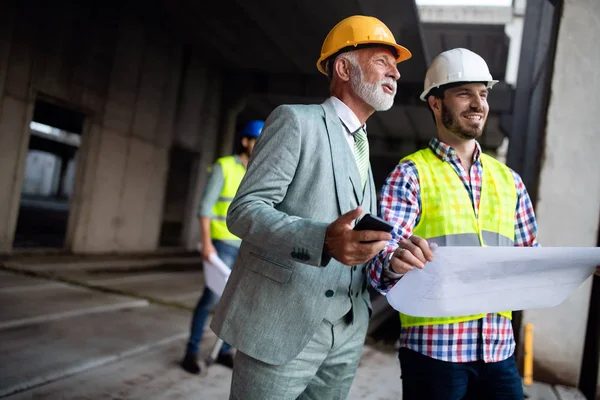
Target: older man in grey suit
(296, 305)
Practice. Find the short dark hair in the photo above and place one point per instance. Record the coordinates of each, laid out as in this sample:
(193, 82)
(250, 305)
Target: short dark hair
(438, 93)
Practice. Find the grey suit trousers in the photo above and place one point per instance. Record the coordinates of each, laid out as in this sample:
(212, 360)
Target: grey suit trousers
(324, 369)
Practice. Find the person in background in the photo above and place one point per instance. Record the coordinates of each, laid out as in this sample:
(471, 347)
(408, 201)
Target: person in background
(223, 182)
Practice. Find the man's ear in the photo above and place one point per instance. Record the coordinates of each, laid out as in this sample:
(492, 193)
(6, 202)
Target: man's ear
(341, 66)
(245, 142)
(435, 103)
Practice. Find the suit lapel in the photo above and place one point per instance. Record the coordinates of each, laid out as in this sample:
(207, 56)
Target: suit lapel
(373, 196)
(345, 170)
(355, 177)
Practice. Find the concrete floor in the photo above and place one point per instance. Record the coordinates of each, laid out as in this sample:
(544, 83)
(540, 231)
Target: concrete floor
(117, 330)
(97, 332)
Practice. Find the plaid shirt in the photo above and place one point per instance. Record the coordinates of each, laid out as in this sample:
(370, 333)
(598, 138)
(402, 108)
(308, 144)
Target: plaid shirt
(490, 338)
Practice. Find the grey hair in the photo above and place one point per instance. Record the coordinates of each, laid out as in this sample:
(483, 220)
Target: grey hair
(350, 56)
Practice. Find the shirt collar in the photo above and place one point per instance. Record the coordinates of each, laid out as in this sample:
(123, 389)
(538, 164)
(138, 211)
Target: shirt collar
(447, 153)
(346, 115)
(237, 159)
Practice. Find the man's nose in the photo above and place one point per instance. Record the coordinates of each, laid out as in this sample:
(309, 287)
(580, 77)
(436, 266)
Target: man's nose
(394, 73)
(477, 102)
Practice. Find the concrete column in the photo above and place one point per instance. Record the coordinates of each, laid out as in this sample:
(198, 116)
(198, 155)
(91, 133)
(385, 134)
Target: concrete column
(121, 176)
(16, 109)
(228, 130)
(235, 100)
(569, 187)
(514, 30)
(199, 126)
(218, 136)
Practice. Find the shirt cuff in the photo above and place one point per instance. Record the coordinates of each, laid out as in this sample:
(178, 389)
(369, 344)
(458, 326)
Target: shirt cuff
(387, 270)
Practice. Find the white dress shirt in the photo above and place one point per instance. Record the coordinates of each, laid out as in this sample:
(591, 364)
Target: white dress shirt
(352, 124)
(348, 118)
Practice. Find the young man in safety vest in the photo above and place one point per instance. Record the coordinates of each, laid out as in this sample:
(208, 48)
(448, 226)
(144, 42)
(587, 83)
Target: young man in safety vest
(452, 194)
(225, 178)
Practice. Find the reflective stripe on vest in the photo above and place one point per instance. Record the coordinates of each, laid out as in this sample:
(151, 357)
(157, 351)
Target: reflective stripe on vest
(448, 218)
(233, 172)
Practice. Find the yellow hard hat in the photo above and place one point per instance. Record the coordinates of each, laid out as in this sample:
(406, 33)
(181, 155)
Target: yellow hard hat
(357, 30)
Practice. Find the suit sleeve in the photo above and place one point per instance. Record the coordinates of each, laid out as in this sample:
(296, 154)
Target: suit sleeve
(253, 215)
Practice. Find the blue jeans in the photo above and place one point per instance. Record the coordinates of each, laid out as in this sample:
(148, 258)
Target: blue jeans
(208, 301)
(427, 378)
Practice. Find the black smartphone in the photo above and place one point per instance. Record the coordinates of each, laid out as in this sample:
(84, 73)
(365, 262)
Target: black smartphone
(373, 223)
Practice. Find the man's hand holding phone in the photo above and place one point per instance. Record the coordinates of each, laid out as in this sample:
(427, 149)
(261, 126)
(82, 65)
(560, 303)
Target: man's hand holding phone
(373, 223)
(352, 246)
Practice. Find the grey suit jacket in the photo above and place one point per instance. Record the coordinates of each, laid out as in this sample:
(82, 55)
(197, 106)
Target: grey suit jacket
(301, 177)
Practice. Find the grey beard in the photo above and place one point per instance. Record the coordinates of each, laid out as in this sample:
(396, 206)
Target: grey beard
(371, 93)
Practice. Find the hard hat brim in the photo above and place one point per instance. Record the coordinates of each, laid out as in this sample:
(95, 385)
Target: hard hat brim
(403, 53)
(490, 84)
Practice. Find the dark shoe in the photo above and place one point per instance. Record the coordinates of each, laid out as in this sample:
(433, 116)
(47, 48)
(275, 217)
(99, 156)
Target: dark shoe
(190, 363)
(226, 360)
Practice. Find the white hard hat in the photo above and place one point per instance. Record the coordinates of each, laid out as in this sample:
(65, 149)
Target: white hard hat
(456, 65)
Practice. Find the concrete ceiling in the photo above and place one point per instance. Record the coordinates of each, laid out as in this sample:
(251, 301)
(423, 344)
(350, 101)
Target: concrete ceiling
(276, 43)
(285, 37)
(489, 41)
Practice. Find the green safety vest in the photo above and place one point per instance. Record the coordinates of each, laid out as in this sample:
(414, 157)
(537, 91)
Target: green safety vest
(233, 172)
(448, 219)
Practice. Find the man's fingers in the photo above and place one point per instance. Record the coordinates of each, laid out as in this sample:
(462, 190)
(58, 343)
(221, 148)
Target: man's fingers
(207, 256)
(413, 249)
(363, 252)
(399, 266)
(371, 236)
(408, 257)
(376, 247)
(424, 246)
(350, 216)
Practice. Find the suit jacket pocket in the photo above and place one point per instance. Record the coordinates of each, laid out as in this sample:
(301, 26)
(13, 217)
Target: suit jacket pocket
(269, 268)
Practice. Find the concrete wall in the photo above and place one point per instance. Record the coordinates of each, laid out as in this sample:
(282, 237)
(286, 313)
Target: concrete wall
(126, 73)
(569, 193)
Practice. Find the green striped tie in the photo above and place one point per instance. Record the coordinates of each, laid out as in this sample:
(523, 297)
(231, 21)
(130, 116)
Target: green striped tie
(361, 154)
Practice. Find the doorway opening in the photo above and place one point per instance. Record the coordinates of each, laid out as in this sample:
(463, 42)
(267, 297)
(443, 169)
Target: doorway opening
(181, 163)
(55, 138)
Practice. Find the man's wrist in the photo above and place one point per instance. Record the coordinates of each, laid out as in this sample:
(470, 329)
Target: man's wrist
(325, 255)
(326, 252)
(387, 267)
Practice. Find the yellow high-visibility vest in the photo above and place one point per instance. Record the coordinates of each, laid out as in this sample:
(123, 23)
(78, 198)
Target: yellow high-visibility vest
(233, 172)
(448, 218)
